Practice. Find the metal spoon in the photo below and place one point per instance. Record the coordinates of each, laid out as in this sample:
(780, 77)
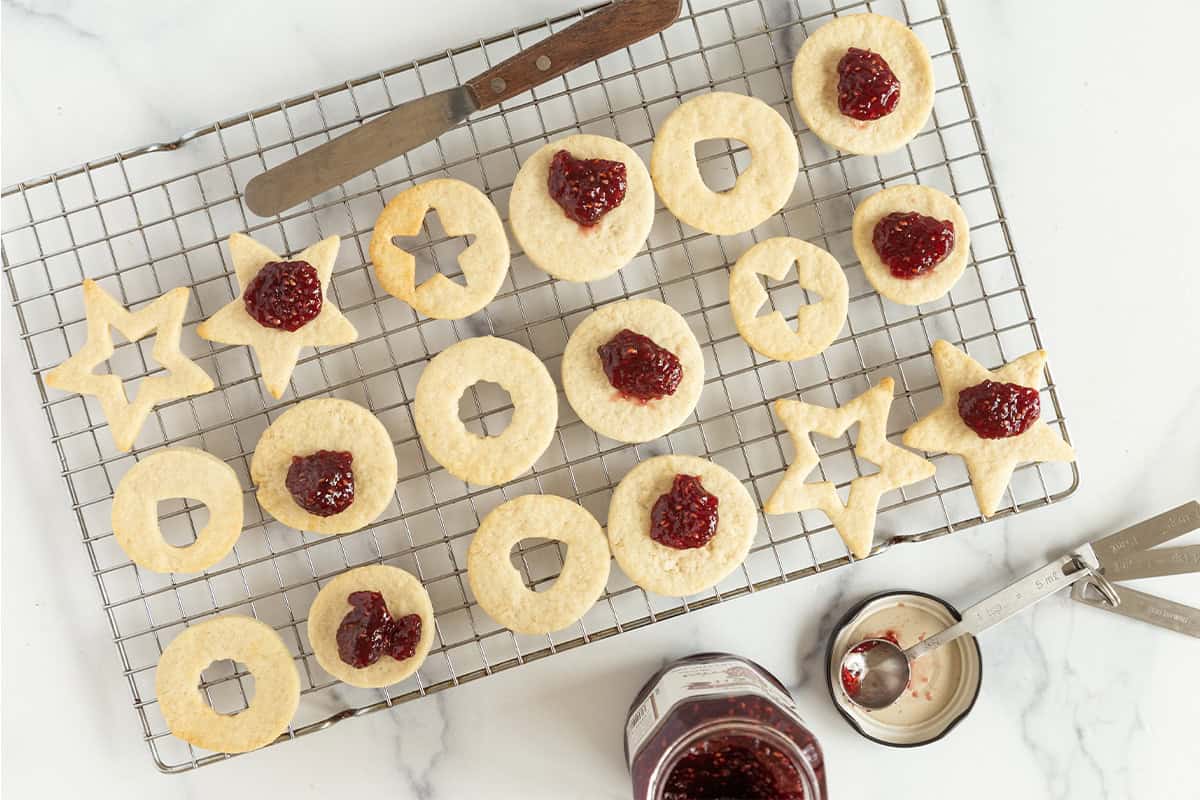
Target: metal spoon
(875, 672)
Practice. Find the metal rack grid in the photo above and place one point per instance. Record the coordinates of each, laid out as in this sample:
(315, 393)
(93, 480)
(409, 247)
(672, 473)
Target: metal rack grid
(147, 220)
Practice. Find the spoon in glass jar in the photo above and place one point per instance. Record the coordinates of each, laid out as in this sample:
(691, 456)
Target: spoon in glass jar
(875, 672)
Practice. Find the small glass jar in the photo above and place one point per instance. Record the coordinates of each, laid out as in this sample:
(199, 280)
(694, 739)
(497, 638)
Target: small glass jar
(718, 725)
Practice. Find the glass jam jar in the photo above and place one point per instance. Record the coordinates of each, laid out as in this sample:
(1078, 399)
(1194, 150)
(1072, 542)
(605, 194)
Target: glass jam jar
(715, 725)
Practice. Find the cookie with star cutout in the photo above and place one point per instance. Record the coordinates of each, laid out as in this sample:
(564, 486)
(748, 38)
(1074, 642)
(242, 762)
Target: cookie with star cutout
(854, 519)
(164, 316)
(281, 307)
(991, 418)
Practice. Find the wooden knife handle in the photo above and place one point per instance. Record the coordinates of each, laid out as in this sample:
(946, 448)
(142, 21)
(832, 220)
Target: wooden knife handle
(596, 35)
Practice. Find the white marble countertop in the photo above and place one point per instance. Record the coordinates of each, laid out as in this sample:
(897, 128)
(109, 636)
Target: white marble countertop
(1094, 151)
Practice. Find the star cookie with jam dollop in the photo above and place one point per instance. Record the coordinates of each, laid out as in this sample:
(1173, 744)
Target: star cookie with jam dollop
(991, 418)
(281, 307)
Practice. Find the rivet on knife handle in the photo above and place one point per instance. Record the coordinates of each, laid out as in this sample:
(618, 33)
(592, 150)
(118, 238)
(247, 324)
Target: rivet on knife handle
(595, 35)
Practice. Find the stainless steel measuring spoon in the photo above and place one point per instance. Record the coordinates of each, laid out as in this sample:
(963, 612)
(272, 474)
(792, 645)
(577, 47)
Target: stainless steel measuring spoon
(882, 670)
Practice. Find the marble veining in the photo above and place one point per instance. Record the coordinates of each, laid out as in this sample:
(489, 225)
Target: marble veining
(1075, 703)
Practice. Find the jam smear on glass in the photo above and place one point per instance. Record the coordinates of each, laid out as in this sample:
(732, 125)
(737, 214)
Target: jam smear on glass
(638, 368)
(322, 483)
(731, 766)
(368, 631)
(586, 188)
(285, 295)
(999, 410)
(911, 244)
(684, 517)
(867, 88)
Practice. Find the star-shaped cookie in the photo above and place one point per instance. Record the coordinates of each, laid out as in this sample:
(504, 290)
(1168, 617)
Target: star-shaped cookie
(165, 316)
(277, 350)
(855, 519)
(990, 462)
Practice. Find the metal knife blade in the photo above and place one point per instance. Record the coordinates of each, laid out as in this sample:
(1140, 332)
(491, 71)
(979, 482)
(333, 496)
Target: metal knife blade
(596, 34)
(1144, 535)
(318, 170)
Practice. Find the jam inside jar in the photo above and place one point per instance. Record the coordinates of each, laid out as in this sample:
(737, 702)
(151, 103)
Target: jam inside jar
(715, 725)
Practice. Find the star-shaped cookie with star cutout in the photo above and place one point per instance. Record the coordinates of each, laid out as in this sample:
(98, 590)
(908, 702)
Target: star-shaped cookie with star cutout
(281, 307)
(854, 519)
(1025, 435)
(164, 316)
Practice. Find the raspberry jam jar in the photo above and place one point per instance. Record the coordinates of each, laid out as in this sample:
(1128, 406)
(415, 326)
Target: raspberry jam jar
(715, 725)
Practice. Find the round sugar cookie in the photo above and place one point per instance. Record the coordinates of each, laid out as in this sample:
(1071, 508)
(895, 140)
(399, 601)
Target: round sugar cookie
(815, 83)
(402, 593)
(666, 570)
(177, 472)
(497, 584)
(463, 211)
(923, 200)
(559, 245)
(759, 192)
(326, 424)
(598, 404)
(265, 656)
(817, 324)
(490, 460)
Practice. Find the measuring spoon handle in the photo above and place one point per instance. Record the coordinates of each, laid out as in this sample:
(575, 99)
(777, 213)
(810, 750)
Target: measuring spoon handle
(1146, 608)
(1005, 603)
(1155, 563)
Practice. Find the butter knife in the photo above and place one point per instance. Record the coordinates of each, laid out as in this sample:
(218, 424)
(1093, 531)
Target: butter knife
(422, 120)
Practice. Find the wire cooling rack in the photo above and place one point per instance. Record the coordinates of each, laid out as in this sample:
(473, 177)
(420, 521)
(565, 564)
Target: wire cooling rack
(147, 220)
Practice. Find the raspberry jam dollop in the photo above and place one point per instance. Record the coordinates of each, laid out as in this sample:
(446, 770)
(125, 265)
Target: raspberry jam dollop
(285, 295)
(586, 188)
(322, 483)
(999, 410)
(369, 631)
(911, 244)
(638, 368)
(867, 88)
(724, 767)
(684, 517)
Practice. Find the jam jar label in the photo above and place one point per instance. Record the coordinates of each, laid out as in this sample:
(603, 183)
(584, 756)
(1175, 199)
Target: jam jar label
(691, 681)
